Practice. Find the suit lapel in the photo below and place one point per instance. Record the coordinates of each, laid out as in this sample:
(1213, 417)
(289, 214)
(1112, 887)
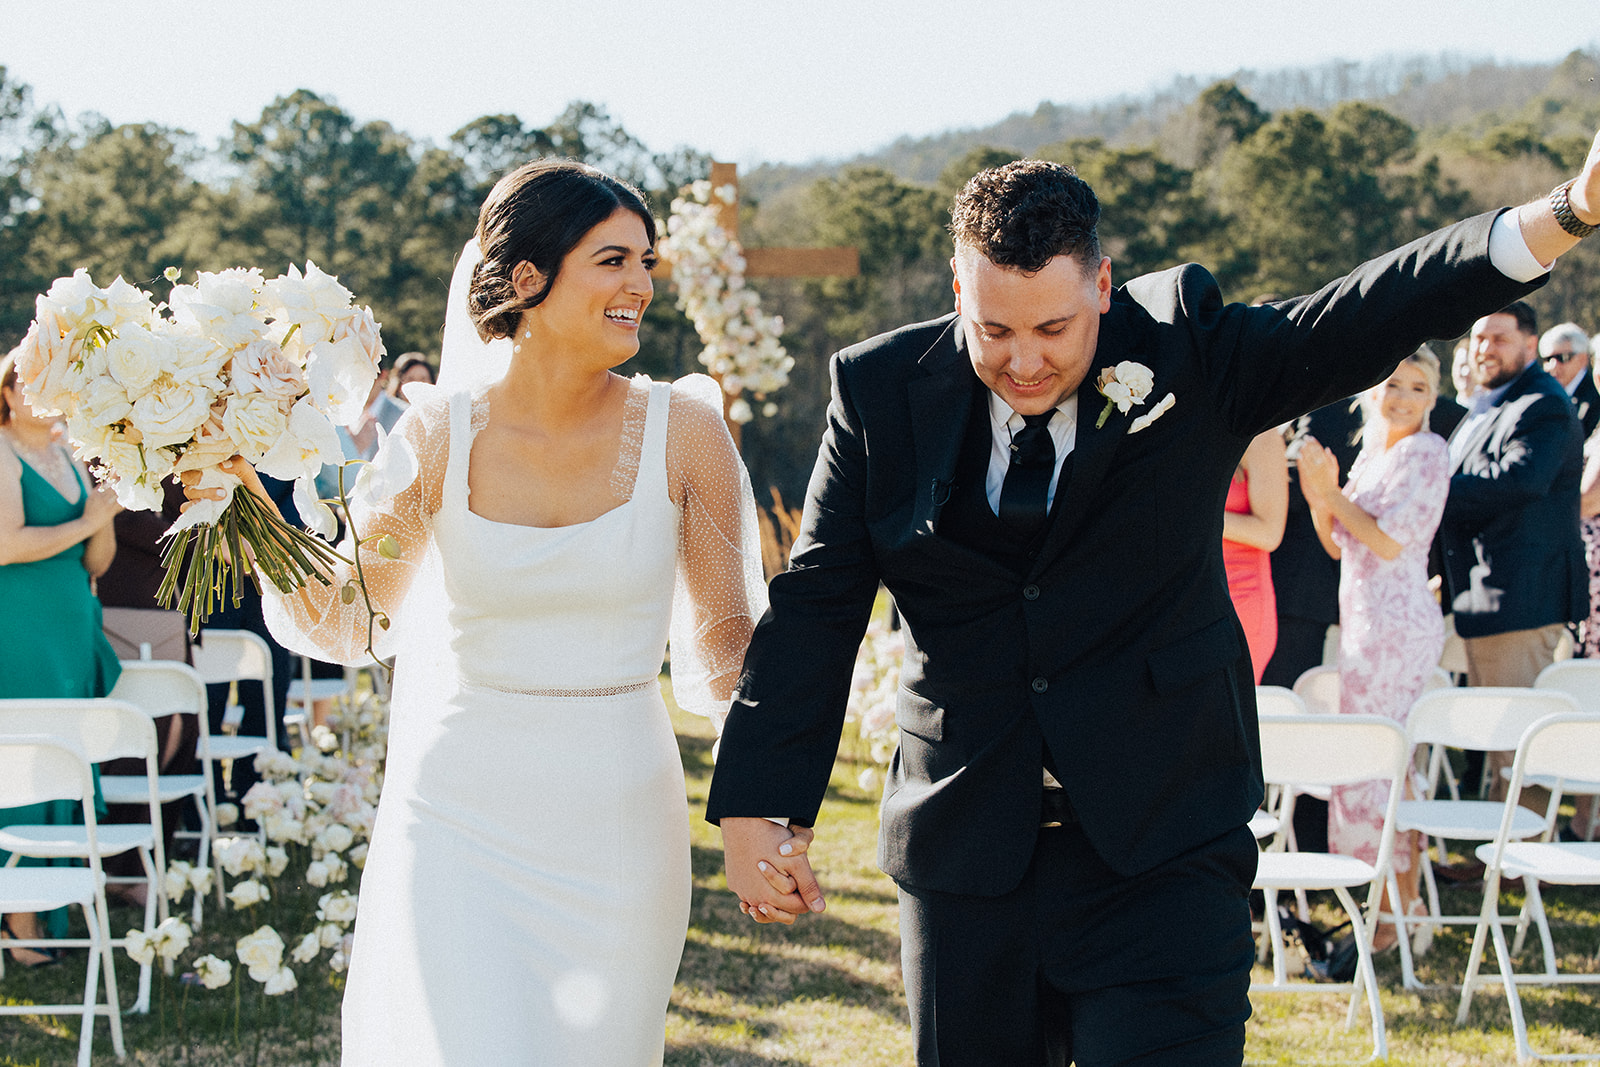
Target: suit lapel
(1091, 455)
(941, 401)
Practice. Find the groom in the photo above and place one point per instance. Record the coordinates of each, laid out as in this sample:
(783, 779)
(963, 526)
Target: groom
(1038, 479)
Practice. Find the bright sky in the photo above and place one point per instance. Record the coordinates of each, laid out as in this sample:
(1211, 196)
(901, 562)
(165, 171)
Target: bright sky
(761, 81)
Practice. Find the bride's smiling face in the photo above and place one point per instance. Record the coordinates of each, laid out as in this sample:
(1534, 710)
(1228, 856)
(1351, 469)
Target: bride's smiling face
(599, 295)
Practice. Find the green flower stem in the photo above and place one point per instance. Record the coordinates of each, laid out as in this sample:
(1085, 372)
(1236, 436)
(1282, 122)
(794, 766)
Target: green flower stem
(1105, 413)
(361, 579)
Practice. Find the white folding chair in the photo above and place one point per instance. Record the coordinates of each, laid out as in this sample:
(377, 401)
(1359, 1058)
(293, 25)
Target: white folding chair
(167, 687)
(226, 657)
(1558, 748)
(102, 730)
(1330, 750)
(1276, 700)
(1319, 688)
(35, 768)
(1579, 679)
(306, 691)
(1483, 717)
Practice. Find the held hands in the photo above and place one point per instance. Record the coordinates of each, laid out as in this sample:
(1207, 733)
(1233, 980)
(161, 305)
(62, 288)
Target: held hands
(239, 468)
(767, 868)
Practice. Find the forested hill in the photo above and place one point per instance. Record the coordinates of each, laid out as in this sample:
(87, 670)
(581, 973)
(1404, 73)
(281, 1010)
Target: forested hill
(1277, 181)
(1434, 93)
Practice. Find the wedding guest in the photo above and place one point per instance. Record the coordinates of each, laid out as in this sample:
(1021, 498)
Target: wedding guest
(411, 367)
(1564, 351)
(1514, 560)
(1390, 628)
(1588, 634)
(55, 538)
(1252, 526)
(135, 623)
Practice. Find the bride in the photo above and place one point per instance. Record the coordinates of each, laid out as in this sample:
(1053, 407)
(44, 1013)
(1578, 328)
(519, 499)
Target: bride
(526, 893)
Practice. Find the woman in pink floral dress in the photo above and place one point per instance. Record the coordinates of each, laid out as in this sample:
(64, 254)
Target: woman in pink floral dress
(1390, 628)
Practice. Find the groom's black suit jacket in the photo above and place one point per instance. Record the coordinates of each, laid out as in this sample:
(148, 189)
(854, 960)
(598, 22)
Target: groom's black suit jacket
(1118, 647)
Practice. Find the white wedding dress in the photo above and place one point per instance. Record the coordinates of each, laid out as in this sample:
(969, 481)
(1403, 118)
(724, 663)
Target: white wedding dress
(526, 894)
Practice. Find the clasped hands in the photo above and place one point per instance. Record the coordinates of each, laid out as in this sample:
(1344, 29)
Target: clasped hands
(1319, 473)
(768, 869)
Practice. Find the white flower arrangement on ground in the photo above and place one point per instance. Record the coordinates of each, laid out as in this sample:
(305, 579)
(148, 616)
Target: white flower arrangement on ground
(872, 695)
(742, 348)
(316, 812)
(232, 364)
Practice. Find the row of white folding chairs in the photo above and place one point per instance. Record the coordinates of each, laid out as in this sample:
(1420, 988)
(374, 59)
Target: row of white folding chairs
(46, 766)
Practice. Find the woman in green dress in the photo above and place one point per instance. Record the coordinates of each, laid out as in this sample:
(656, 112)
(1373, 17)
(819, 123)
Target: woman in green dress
(55, 537)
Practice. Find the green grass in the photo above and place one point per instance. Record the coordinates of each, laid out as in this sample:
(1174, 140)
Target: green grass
(824, 993)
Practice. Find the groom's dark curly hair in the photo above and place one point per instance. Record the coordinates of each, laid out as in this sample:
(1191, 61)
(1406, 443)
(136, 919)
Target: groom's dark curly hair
(1024, 214)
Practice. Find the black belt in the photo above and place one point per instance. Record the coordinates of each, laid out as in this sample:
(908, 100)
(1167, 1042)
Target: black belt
(1055, 809)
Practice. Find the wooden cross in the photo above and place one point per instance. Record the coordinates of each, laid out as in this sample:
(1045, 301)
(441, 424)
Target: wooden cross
(769, 262)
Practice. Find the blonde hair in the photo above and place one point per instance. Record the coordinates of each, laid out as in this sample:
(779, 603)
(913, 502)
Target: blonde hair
(1425, 361)
(8, 380)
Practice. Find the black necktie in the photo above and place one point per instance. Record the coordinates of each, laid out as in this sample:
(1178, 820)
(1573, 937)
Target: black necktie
(1024, 495)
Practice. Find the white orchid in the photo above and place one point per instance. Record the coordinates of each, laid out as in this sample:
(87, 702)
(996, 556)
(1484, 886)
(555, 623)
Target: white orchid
(392, 470)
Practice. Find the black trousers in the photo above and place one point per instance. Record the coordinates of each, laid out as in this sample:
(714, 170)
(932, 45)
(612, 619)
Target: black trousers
(1079, 964)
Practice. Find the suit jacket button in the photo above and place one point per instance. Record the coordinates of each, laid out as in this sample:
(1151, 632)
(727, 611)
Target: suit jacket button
(1030, 592)
(1040, 685)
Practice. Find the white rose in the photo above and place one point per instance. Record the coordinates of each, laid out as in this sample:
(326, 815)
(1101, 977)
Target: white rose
(220, 306)
(199, 359)
(76, 301)
(281, 826)
(309, 301)
(248, 894)
(277, 861)
(280, 983)
(239, 854)
(136, 358)
(335, 838)
(261, 800)
(337, 907)
(308, 949)
(317, 874)
(309, 443)
(171, 415)
(261, 952)
(330, 934)
(254, 422)
(261, 367)
(1138, 379)
(358, 325)
(339, 375)
(278, 766)
(172, 938)
(200, 879)
(213, 973)
(45, 363)
(227, 814)
(338, 869)
(128, 304)
(358, 855)
(140, 947)
(176, 882)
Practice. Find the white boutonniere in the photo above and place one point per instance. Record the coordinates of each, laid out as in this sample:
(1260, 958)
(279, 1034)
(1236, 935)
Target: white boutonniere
(1123, 386)
(1153, 414)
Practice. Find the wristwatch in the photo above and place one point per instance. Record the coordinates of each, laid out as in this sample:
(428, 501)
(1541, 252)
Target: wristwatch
(1562, 206)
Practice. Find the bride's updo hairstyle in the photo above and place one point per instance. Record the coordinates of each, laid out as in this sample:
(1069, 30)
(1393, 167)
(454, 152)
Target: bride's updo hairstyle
(538, 213)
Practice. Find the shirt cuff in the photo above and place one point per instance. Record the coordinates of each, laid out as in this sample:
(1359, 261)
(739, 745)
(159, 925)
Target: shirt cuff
(1509, 252)
(777, 822)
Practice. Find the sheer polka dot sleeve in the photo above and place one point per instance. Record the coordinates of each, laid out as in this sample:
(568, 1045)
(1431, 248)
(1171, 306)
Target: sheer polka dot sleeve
(315, 621)
(721, 590)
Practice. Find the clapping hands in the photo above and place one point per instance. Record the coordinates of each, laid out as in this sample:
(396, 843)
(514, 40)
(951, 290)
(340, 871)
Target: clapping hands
(1319, 473)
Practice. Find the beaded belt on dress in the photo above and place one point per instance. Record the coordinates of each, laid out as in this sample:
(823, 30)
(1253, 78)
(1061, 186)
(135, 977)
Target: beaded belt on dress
(602, 691)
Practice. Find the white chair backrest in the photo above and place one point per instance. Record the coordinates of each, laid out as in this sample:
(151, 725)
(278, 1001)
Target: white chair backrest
(38, 767)
(1563, 746)
(1482, 717)
(1319, 688)
(1439, 679)
(1578, 678)
(161, 687)
(1276, 700)
(1330, 750)
(102, 729)
(229, 655)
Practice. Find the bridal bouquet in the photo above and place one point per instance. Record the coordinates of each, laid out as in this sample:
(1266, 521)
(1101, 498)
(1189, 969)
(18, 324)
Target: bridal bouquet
(232, 364)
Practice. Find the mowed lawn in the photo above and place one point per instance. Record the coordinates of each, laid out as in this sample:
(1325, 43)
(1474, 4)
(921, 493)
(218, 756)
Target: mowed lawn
(824, 993)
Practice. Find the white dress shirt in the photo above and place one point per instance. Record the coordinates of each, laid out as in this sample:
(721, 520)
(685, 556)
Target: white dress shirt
(1004, 423)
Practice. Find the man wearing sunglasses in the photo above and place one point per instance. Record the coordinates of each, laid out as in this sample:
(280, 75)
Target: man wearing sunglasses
(1564, 351)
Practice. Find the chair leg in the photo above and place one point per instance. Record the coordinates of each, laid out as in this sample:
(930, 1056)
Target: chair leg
(1275, 935)
(108, 964)
(1508, 979)
(1533, 907)
(1488, 915)
(91, 985)
(1368, 979)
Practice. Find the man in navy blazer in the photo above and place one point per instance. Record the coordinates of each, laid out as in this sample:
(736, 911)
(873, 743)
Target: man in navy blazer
(1039, 480)
(1513, 556)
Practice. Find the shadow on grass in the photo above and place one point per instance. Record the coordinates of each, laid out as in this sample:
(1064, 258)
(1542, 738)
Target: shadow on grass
(704, 1055)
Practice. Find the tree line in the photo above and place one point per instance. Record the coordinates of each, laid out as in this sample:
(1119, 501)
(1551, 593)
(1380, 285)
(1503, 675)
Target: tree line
(1274, 202)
